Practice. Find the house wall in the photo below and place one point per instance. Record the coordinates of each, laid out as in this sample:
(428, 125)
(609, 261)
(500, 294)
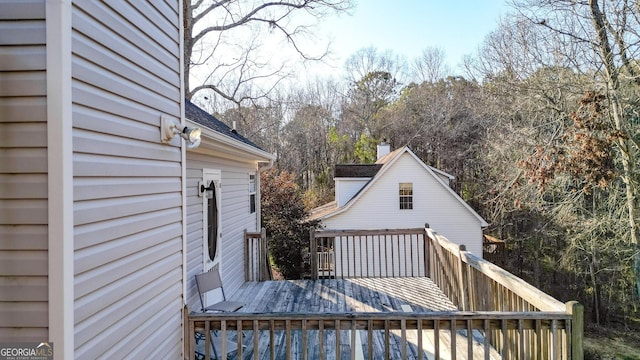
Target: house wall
(432, 203)
(23, 172)
(127, 185)
(346, 188)
(235, 219)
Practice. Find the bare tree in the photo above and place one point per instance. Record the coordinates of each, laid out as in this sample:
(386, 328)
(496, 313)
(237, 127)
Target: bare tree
(225, 37)
(430, 66)
(610, 31)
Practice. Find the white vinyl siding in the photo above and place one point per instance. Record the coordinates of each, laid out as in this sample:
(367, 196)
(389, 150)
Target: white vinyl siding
(432, 203)
(23, 172)
(127, 185)
(234, 209)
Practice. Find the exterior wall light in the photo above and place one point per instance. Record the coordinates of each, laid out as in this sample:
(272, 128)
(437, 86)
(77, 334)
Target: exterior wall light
(207, 191)
(169, 128)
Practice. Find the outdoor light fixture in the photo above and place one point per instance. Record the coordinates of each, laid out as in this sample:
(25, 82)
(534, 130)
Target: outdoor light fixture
(207, 191)
(169, 128)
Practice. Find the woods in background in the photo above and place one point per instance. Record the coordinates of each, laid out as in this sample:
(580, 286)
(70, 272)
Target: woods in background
(541, 131)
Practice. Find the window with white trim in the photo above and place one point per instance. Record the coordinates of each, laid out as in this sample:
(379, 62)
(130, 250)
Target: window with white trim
(252, 193)
(406, 196)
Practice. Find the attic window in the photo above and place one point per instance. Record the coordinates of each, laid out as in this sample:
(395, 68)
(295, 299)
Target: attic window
(406, 196)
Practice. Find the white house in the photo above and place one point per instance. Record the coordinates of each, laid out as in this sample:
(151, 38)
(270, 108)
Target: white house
(399, 191)
(101, 222)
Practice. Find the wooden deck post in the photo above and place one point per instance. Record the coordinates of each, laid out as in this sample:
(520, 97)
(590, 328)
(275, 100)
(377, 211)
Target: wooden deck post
(461, 288)
(247, 252)
(577, 329)
(313, 253)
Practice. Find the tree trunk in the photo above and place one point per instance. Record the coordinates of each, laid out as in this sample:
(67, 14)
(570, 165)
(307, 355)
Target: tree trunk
(627, 150)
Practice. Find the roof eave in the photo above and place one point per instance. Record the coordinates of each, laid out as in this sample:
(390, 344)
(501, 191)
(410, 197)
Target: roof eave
(213, 140)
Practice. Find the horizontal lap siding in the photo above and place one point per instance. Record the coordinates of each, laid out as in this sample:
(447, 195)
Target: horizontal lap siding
(23, 172)
(127, 184)
(235, 219)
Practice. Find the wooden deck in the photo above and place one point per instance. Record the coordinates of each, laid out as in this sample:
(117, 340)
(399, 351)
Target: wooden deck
(394, 294)
(384, 295)
(347, 295)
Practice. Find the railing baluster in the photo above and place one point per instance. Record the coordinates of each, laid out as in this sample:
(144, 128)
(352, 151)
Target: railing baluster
(337, 327)
(403, 337)
(353, 338)
(239, 336)
(272, 335)
(469, 339)
(436, 338)
(287, 337)
(223, 335)
(321, 339)
(256, 341)
(454, 345)
(487, 339)
(304, 339)
(387, 340)
(370, 338)
(419, 332)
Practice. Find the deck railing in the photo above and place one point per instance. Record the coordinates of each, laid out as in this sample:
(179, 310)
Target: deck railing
(370, 253)
(403, 335)
(504, 314)
(474, 284)
(256, 257)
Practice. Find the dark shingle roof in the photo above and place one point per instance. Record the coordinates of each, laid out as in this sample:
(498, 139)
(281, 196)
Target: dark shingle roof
(357, 170)
(196, 114)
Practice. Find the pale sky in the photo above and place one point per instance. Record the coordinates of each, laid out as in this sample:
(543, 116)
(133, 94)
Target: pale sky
(408, 26)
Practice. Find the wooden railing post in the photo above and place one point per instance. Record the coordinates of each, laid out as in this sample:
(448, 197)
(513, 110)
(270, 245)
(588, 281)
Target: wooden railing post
(247, 258)
(313, 253)
(461, 288)
(577, 329)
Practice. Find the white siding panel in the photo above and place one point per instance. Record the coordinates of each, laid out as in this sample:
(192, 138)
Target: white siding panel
(100, 210)
(98, 165)
(21, 9)
(91, 188)
(127, 37)
(127, 185)
(23, 186)
(22, 134)
(23, 172)
(23, 160)
(23, 109)
(30, 83)
(89, 142)
(23, 211)
(28, 32)
(23, 237)
(22, 58)
(97, 233)
(24, 288)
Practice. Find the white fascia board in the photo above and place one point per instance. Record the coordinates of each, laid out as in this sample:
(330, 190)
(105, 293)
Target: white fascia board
(234, 147)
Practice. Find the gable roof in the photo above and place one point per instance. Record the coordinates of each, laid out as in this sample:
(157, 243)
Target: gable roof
(356, 170)
(385, 162)
(217, 130)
